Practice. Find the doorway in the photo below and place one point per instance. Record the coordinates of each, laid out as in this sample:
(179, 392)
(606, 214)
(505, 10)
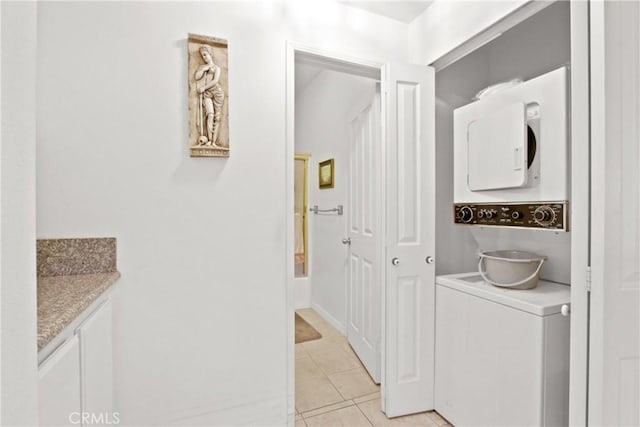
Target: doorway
(300, 204)
(338, 125)
(406, 289)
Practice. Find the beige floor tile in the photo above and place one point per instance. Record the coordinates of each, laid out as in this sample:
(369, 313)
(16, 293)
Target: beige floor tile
(300, 351)
(371, 409)
(316, 394)
(325, 329)
(328, 408)
(307, 369)
(334, 360)
(436, 418)
(352, 356)
(300, 423)
(306, 312)
(353, 383)
(374, 414)
(310, 316)
(349, 416)
(325, 344)
(314, 319)
(367, 397)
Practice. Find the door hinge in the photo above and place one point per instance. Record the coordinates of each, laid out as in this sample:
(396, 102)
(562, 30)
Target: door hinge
(588, 278)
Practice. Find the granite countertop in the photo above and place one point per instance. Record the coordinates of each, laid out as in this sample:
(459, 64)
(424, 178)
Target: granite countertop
(72, 274)
(62, 298)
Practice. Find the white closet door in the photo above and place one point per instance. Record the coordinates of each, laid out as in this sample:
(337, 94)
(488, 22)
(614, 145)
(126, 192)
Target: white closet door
(614, 356)
(364, 273)
(410, 287)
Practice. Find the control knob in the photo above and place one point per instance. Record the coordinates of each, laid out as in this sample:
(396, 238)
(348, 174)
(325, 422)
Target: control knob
(516, 215)
(465, 214)
(544, 215)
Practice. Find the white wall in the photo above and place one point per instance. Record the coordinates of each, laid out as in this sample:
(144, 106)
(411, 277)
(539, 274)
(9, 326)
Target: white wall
(446, 24)
(200, 319)
(18, 370)
(322, 115)
(301, 292)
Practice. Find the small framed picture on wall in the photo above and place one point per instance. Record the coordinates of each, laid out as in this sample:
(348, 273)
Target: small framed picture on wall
(326, 174)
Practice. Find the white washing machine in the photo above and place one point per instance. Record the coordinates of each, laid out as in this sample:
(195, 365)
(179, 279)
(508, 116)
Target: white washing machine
(502, 355)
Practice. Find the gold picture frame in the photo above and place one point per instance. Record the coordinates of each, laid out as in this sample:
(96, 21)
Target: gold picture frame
(326, 172)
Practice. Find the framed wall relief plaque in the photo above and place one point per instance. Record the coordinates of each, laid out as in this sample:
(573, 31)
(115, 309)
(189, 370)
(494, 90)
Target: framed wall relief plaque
(208, 96)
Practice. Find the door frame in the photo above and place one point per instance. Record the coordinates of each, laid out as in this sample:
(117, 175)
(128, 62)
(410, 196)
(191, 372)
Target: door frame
(352, 65)
(305, 205)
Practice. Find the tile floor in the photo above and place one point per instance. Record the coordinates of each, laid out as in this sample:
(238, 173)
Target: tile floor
(333, 388)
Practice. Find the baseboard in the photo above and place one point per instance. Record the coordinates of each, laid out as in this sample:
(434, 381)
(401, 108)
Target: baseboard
(329, 318)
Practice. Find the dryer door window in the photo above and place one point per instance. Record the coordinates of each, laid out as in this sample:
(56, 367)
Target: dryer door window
(497, 148)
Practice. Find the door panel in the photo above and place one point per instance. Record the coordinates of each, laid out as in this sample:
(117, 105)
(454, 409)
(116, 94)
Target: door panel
(365, 206)
(614, 326)
(410, 287)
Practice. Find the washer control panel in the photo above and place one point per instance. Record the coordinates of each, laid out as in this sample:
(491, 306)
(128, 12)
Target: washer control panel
(541, 215)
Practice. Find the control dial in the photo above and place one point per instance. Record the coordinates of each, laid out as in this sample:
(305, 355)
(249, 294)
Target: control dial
(465, 214)
(544, 215)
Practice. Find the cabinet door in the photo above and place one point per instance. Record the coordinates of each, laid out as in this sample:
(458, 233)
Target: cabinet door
(59, 386)
(96, 362)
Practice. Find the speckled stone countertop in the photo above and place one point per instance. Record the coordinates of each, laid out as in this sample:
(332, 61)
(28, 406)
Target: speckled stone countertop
(72, 273)
(62, 298)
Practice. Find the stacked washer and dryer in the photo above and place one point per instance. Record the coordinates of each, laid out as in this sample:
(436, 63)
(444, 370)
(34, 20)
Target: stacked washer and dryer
(502, 349)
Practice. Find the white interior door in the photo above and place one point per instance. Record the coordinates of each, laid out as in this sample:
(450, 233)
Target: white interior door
(614, 356)
(364, 229)
(410, 198)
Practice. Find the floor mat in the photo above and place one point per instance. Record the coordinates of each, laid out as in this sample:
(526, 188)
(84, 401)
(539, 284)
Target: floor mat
(304, 331)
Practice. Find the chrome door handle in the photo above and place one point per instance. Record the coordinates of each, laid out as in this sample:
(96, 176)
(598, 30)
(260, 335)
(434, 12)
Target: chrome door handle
(429, 260)
(395, 261)
(346, 241)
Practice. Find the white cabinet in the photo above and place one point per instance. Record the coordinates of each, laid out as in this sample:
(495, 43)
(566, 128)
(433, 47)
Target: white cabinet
(96, 362)
(59, 385)
(75, 385)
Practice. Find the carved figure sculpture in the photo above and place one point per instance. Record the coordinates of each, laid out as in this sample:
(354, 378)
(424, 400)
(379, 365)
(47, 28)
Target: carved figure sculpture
(211, 98)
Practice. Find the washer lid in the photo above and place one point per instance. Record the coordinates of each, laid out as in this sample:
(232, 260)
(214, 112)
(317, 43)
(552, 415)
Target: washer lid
(546, 299)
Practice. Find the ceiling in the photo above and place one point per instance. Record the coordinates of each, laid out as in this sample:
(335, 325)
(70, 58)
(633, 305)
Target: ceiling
(404, 11)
